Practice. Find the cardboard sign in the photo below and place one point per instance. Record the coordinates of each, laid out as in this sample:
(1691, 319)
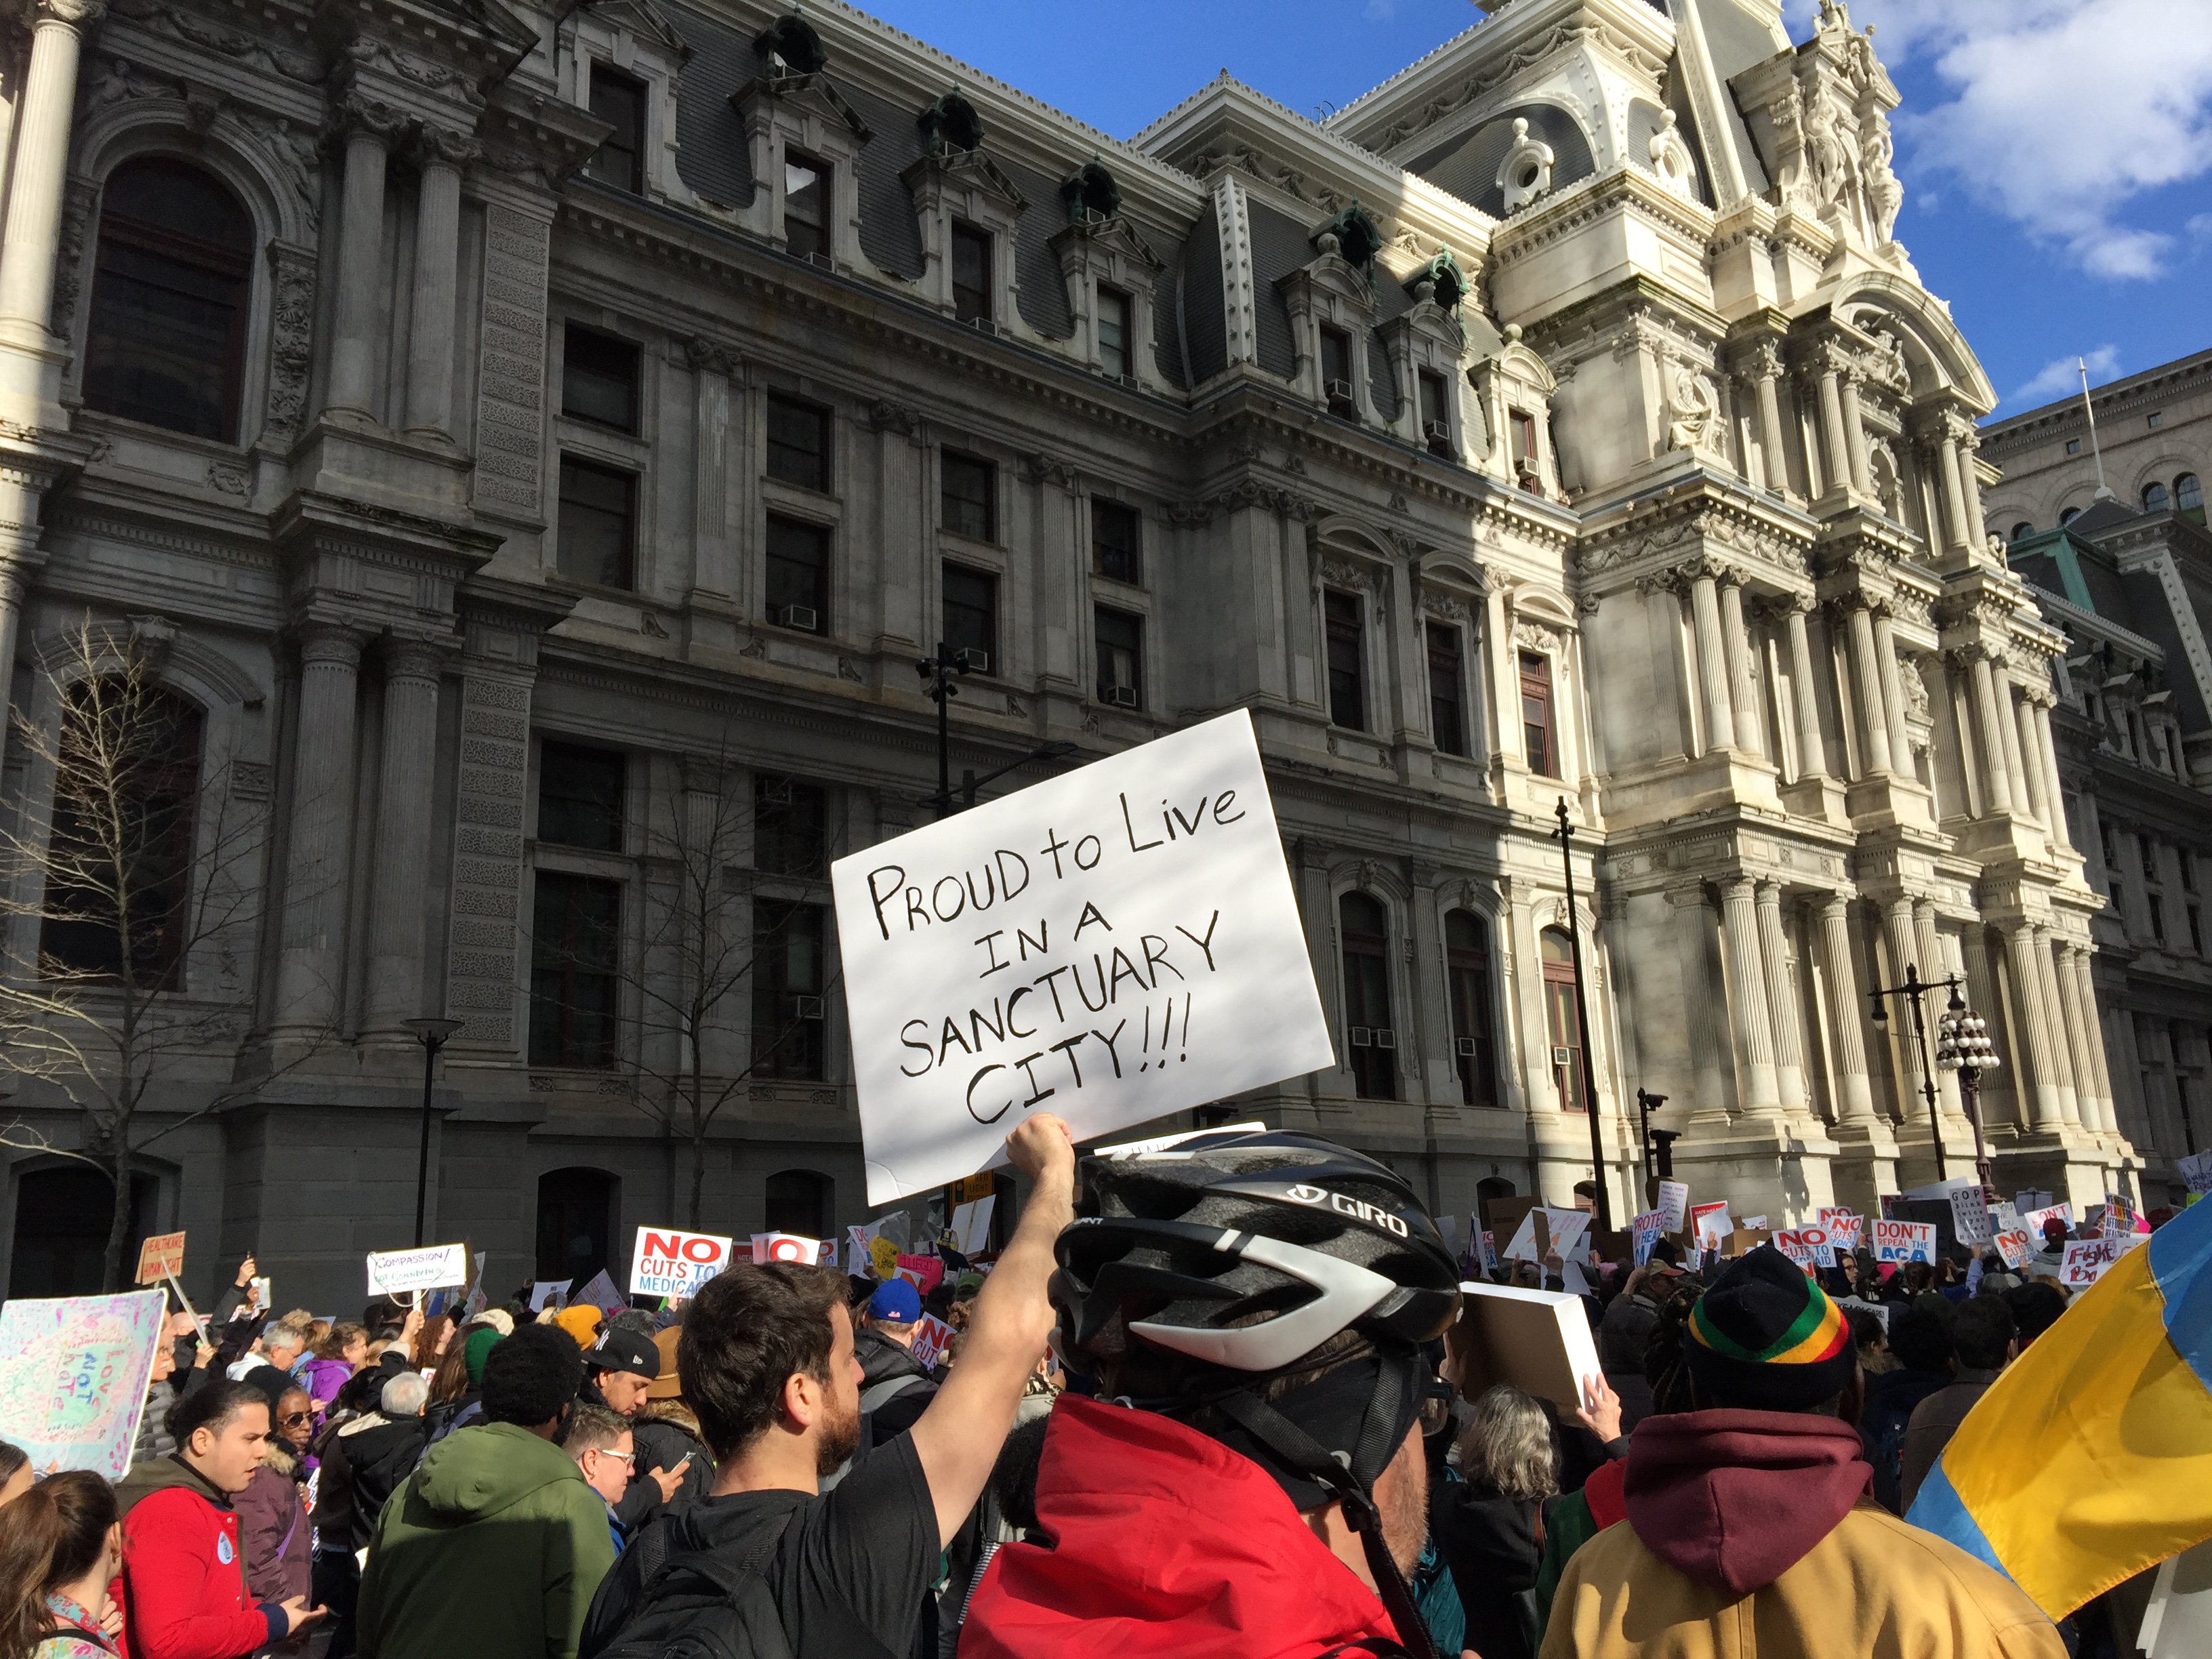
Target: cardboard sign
(1970, 1216)
(549, 1292)
(1809, 1247)
(1561, 1234)
(1115, 944)
(786, 1247)
(667, 1262)
(1744, 1240)
(161, 1256)
(927, 1271)
(933, 1340)
(2086, 1261)
(74, 1372)
(971, 1225)
(398, 1273)
(2016, 1247)
(1646, 1229)
(1538, 1341)
(2196, 1172)
(1752, 1224)
(885, 1256)
(1674, 1204)
(1904, 1241)
(1709, 1224)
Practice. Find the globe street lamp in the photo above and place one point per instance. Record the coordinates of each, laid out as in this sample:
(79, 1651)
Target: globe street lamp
(1963, 1045)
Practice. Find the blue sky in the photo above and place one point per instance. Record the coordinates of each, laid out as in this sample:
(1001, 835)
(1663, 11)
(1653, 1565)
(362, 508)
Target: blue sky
(2056, 153)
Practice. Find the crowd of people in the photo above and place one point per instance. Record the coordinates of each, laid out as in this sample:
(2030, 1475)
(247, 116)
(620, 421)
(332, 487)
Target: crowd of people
(1191, 1409)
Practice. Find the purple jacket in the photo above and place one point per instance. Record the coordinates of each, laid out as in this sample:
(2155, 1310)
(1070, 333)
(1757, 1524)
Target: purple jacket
(323, 1378)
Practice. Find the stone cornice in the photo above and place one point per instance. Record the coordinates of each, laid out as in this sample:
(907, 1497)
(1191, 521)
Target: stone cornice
(1630, 188)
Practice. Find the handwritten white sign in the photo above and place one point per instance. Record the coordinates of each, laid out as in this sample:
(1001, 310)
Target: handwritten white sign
(1970, 1216)
(1113, 945)
(668, 1262)
(2086, 1261)
(396, 1273)
(1674, 1203)
(2196, 1171)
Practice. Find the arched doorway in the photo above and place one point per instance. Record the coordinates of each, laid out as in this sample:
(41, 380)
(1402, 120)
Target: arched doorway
(575, 1222)
(62, 1212)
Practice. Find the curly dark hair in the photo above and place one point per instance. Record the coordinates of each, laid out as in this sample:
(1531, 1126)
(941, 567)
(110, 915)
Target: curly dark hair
(747, 1332)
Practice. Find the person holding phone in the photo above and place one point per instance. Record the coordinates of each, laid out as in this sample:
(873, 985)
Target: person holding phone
(673, 1469)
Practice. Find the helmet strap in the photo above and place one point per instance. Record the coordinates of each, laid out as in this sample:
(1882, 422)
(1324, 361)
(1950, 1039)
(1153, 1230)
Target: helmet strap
(1303, 1453)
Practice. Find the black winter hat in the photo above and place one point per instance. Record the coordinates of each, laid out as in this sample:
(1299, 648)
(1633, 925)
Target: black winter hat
(618, 1350)
(1766, 1338)
(530, 1378)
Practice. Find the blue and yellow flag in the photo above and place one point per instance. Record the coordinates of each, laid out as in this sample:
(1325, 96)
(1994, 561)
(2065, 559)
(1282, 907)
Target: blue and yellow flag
(2090, 1457)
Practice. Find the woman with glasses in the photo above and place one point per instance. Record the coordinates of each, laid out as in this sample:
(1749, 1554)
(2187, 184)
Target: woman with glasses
(272, 1510)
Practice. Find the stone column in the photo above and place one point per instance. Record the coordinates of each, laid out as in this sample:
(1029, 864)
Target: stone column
(2053, 783)
(1932, 966)
(1892, 691)
(1854, 438)
(1735, 648)
(1712, 660)
(2081, 1037)
(1954, 504)
(1988, 737)
(2054, 1014)
(437, 264)
(1835, 454)
(1970, 487)
(1856, 1100)
(1782, 1001)
(1746, 994)
(2039, 1081)
(1428, 1047)
(1904, 952)
(2034, 775)
(1497, 647)
(369, 131)
(1812, 751)
(1708, 1040)
(1874, 717)
(310, 963)
(2023, 789)
(2086, 994)
(34, 186)
(1766, 370)
(406, 777)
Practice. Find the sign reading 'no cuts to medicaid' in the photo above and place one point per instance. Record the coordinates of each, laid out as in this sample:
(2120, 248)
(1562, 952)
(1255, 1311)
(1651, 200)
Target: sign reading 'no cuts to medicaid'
(1113, 945)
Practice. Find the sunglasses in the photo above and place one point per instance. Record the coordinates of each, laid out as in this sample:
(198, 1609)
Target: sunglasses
(291, 1419)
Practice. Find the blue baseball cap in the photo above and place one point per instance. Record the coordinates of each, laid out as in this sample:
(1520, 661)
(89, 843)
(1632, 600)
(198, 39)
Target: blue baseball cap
(896, 1301)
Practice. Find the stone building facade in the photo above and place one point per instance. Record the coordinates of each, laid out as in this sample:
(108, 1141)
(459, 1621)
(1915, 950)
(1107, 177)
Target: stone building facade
(582, 420)
(2108, 530)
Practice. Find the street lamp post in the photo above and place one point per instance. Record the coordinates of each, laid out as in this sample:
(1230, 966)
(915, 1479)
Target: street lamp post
(432, 1035)
(1963, 1045)
(1566, 833)
(1646, 1103)
(1912, 990)
(938, 673)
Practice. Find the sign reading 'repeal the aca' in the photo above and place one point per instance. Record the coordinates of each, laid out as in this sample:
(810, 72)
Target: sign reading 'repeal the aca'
(1112, 946)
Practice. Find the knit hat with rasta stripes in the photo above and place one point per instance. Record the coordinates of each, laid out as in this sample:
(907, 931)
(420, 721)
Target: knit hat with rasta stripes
(1766, 1338)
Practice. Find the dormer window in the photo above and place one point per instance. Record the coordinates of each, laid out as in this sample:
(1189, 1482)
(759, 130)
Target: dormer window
(1436, 415)
(1114, 331)
(618, 99)
(806, 207)
(971, 274)
(1521, 425)
(1336, 373)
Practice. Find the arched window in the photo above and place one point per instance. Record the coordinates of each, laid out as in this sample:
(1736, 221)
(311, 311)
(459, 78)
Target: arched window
(799, 1202)
(2022, 531)
(120, 861)
(1369, 1040)
(167, 343)
(2154, 498)
(575, 1224)
(2189, 493)
(1561, 1023)
(1466, 975)
(2069, 516)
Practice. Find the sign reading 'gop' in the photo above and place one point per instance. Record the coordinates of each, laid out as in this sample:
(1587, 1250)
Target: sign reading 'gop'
(670, 1263)
(1113, 945)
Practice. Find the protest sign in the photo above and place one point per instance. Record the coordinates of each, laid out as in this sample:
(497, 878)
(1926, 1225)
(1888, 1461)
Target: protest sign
(786, 1246)
(1904, 1241)
(2196, 1172)
(1970, 1216)
(549, 1292)
(1752, 1224)
(1489, 1252)
(928, 1271)
(2016, 1246)
(161, 1256)
(1879, 1309)
(933, 1340)
(1709, 1224)
(1744, 1240)
(74, 1372)
(2034, 1219)
(1674, 1202)
(432, 1266)
(971, 1225)
(1538, 1341)
(1115, 944)
(886, 1256)
(1843, 1228)
(1546, 1232)
(1646, 1229)
(1161, 1143)
(2086, 1260)
(2025, 1202)
(1809, 1247)
(600, 1293)
(667, 1262)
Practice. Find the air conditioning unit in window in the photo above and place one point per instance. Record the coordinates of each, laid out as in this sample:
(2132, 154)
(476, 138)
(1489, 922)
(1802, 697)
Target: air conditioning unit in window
(806, 1007)
(777, 794)
(1129, 380)
(1562, 1056)
(1337, 392)
(1437, 432)
(983, 326)
(1122, 696)
(1465, 1046)
(800, 616)
(1385, 1038)
(1361, 1036)
(971, 659)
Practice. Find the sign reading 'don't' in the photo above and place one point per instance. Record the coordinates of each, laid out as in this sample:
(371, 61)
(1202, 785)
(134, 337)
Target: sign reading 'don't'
(667, 1262)
(1113, 945)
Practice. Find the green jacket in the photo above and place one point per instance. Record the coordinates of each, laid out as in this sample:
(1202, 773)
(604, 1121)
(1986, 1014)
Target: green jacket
(492, 1549)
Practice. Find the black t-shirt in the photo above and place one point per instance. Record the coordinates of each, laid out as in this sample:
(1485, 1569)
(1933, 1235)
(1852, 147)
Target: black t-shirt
(848, 1575)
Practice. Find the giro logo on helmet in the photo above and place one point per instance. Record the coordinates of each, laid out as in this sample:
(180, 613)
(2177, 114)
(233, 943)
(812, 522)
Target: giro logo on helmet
(1359, 1209)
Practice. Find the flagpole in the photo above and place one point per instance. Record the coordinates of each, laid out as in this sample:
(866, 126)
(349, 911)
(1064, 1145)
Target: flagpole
(2089, 413)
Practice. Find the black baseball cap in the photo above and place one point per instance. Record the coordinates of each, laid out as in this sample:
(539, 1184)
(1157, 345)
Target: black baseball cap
(618, 1350)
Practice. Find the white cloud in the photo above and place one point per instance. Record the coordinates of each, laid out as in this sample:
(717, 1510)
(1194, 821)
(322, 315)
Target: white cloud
(1380, 11)
(2063, 374)
(2063, 112)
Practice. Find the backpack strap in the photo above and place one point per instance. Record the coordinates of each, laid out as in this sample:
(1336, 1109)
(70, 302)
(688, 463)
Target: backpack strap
(724, 1573)
(882, 1393)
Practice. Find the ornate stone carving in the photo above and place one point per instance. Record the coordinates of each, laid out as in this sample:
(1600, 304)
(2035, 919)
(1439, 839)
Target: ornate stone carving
(291, 328)
(511, 396)
(705, 355)
(1532, 636)
(1038, 467)
(69, 258)
(1347, 573)
(1446, 607)
(1693, 409)
(229, 478)
(884, 416)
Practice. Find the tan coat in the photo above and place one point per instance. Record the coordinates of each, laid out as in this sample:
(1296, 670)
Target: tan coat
(1873, 1588)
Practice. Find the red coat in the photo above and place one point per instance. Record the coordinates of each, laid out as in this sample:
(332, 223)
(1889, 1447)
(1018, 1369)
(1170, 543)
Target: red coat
(182, 1589)
(1164, 1543)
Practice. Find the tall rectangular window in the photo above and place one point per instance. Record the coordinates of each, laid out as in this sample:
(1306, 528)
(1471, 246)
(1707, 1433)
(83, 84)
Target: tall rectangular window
(1537, 714)
(1347, 689)
(574, 960)
(580, 797)
(969, 503)
(1447, 689)
(1120, 638)
(1467, 976)
(599, 379)
(1370, 1039)
(791, 825)
(598, 527)
(618, 99)
(1521, 426)
(1336, 372)
(805, 206)
(797, 575)
(1116, 542)
(971, 617)
(971, 274)
(1436, 412)
(798, 442)
(1114, 331)
(789, 1026)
